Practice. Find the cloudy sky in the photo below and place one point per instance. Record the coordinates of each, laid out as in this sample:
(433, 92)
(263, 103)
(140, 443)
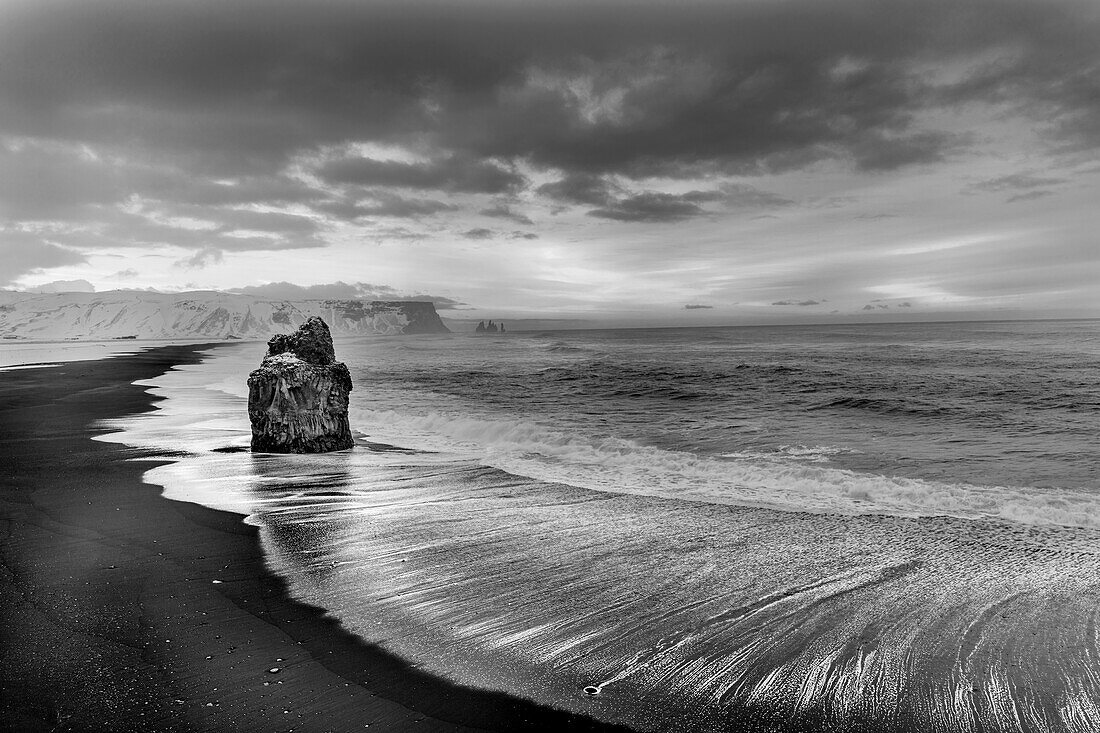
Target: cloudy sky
(694, 162)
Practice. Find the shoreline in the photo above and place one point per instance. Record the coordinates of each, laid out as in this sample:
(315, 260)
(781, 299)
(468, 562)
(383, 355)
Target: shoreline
(123, 610)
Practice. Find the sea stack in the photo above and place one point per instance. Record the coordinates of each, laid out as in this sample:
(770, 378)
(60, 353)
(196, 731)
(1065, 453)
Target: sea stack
(298, 398)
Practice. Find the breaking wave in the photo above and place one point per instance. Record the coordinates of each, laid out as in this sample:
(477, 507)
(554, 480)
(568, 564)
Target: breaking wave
(792, 479)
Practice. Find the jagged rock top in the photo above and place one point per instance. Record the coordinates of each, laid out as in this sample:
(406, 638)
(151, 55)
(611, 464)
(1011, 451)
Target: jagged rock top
(312, 343)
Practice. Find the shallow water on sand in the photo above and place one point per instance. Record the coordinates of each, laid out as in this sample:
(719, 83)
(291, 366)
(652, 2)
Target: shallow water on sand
(770, 596)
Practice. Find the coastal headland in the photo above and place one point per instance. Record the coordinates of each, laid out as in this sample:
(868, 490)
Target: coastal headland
(121, 610)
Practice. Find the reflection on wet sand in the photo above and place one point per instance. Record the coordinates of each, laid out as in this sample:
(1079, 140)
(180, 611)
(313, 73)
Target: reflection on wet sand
(660, 613)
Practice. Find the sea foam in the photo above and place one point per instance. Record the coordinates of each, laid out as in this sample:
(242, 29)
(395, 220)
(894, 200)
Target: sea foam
(785, 480)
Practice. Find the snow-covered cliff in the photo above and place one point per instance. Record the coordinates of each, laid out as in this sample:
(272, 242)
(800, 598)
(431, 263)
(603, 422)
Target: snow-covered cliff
(202, 314)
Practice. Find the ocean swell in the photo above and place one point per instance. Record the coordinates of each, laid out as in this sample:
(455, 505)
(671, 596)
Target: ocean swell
(883, 405)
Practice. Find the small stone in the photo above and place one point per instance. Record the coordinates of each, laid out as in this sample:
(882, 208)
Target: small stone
(273, 670)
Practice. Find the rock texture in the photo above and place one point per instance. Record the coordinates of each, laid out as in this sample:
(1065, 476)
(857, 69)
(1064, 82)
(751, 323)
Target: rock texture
(298, 398)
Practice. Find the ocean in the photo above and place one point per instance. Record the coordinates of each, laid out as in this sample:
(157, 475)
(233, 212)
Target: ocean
(885, 527)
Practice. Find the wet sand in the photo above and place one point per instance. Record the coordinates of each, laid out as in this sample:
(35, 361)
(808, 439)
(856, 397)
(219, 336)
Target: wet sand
(124, 611)
(682, 615)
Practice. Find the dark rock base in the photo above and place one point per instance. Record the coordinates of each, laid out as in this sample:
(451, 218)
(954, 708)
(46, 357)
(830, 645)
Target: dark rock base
(298, 398)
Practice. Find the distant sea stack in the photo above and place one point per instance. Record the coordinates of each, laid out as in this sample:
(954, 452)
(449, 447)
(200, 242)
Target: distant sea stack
(298, 398)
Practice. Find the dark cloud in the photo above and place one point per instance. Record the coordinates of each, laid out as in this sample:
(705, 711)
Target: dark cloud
(797, 302)
(582, 188)
(1015, 182)
(581, 88)
(208, 243)
(504, 211)
(382, 204)
(1047, 77)
(66, 181)
(1029, 196)
(244, 107)
(742, 195)
(692, 306)
(181, 187)
(53, 182)
(703, 197)
(388, 204)
(342, 209)
(22, 253)
(833, 202)
(746, 88)
(879, 152)
(449, 174)
(94, 203)
(655, 206)
(479, 233)
(1023, 186)
(650, 207)
(385, 234)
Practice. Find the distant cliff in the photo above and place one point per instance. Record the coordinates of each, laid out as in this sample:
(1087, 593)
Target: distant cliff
(204, 314)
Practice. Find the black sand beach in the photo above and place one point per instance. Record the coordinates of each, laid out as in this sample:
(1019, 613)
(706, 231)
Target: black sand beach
(123, 611)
